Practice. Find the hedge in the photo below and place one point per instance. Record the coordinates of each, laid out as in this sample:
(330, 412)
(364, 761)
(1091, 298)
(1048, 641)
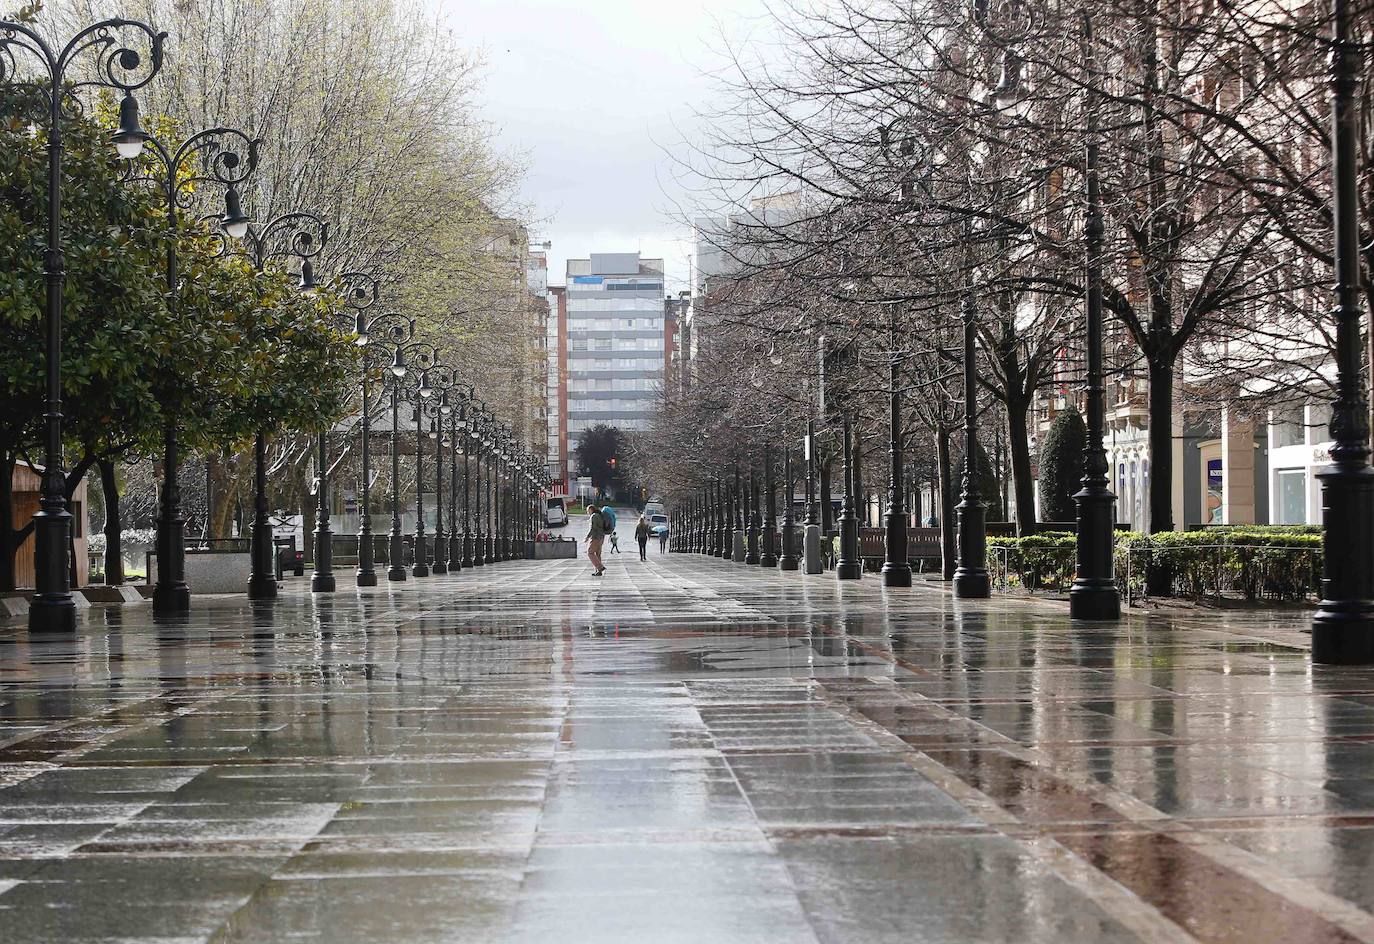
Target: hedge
(1254, 561)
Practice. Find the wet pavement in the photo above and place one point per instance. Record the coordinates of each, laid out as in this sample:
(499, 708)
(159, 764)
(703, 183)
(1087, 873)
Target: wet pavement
(683, 750)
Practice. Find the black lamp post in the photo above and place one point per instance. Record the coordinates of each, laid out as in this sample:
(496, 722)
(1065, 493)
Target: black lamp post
(479, 443)
(359, 291)
(438, 381)
(1343, 627)
(469, 444)
(850, 565)
(971, 576)
(53, 609)
(409, 362)
(226, 158)
(423, 412)
(811, 542)
(462, 396)
(1094, 594)
(788, 560)
(896, 567)
(739, 513)
(379, 338)
(302, 236)
(751, 533)
(769, 556)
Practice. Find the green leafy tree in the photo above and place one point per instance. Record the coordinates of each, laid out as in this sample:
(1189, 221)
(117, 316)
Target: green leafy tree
(601, 454)
(113, 297)
(1061, 466)
(237, 351)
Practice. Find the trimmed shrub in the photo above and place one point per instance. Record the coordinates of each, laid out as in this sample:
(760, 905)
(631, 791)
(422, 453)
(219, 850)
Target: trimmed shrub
(1255, 561)
(1061, 466)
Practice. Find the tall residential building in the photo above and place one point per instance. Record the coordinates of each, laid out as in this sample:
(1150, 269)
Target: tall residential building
(607, 345)
(556, 394)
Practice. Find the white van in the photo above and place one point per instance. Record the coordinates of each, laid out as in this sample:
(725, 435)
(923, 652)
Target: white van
(653, 507)
(556, 511)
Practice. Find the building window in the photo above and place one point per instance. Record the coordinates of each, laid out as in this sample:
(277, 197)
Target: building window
(1292, 496)
(1288, 427)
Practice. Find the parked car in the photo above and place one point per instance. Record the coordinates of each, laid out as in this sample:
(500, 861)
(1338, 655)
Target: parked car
(290, 558)
(556, 511)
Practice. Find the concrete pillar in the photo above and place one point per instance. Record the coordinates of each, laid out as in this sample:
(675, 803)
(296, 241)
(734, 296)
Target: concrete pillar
(1237, 469)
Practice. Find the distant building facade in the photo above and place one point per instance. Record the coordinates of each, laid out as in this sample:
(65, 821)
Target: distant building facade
(609, 337)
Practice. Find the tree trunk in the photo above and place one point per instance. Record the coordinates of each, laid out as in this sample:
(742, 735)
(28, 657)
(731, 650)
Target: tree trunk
(1161, 446)
(1023, 480)
(114, 550)
(949, 551)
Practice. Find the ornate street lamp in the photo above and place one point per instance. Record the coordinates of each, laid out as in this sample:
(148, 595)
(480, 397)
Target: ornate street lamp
(379, 337)
(850, 565)
(408, 364)
(1343, 627)
(359, 292)
(811, 537)
(434, 383)
(480, 431)
(460, 396)
(53, 609)
(225, 157)
(738, 541)
(896, 567)
(788, 560)
(301, 236)
(1094, 594)
(769, 556)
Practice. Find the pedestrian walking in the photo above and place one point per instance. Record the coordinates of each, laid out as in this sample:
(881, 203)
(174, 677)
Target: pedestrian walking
(611, 524)
(642, 538)
(596, 535)
(663, 541)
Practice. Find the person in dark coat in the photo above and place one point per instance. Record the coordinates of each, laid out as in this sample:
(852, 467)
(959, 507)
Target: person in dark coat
(642, 537)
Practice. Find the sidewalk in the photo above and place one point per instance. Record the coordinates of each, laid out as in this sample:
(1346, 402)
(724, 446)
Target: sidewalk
(684, 750)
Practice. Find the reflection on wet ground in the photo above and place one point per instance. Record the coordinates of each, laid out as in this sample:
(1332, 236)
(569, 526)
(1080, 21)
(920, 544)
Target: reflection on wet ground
(685, 750)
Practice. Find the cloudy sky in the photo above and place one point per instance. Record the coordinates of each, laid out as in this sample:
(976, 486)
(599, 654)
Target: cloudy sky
(592, 92)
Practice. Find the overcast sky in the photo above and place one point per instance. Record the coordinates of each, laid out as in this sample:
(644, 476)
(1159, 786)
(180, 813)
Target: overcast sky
(592, 92)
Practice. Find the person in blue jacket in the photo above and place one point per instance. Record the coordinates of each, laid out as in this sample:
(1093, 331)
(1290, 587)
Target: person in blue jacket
(609, 513)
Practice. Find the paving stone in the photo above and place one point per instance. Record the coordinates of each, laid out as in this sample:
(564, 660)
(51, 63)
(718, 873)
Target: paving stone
(684, 750)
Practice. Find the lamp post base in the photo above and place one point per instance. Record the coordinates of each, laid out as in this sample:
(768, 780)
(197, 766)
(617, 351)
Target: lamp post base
(367, 565)
(1094, 599)
(1343, 626)
(850, 566)
(788, 560)
(768, 558)
(896, 574)
(52, 615)
(396, 559)
(972, 584)
(262, 587)
(811, 550)
(171, 599)
(322, 581)
(737, 552)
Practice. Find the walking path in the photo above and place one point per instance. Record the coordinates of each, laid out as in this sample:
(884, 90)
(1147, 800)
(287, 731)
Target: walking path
(684, 750)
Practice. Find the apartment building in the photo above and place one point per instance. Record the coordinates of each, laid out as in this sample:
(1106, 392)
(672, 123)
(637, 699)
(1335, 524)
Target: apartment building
(609, 338)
